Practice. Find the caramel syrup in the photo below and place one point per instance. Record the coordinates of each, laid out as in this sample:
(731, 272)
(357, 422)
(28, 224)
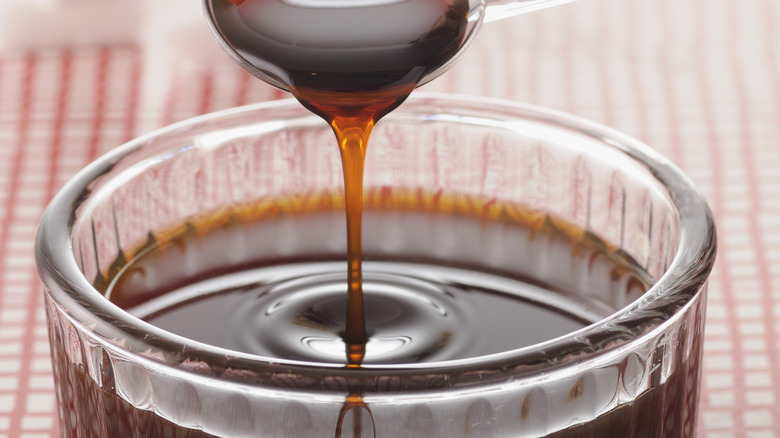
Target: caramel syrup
(351, 66)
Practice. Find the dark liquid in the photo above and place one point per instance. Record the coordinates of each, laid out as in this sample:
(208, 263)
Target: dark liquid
(351, 66)
(159, 270)
(417, 309)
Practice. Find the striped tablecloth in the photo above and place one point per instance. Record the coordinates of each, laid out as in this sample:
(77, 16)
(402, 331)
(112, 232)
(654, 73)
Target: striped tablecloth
(697, 79)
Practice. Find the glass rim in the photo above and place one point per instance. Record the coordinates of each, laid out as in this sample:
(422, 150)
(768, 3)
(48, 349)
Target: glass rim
(672, 293)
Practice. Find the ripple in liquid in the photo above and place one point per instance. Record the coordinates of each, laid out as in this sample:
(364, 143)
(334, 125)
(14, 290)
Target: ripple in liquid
(414, 313)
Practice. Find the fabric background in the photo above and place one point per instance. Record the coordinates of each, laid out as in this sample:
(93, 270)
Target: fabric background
(699, 80)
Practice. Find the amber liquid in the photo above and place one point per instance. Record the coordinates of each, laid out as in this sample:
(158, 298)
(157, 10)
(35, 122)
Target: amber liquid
(193, 258)
(221, 281)
(348, 77)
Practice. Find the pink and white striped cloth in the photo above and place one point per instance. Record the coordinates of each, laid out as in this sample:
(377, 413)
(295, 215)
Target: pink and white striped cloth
(697, 79)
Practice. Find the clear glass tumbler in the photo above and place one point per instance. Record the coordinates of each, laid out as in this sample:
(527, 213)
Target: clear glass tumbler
(531, 204)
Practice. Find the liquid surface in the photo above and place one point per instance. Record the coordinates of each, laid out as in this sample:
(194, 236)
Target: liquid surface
(414, 313)
(417, 310)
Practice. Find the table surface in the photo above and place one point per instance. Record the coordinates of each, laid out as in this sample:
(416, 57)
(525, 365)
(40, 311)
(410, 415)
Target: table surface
(699, 80)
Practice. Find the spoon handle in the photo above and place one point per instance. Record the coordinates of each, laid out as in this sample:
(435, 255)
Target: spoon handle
(499, 9)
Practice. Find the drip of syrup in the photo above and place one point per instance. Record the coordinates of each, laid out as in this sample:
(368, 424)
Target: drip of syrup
(350, 62)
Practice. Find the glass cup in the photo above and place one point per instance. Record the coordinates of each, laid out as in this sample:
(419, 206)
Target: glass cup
(497, 176)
